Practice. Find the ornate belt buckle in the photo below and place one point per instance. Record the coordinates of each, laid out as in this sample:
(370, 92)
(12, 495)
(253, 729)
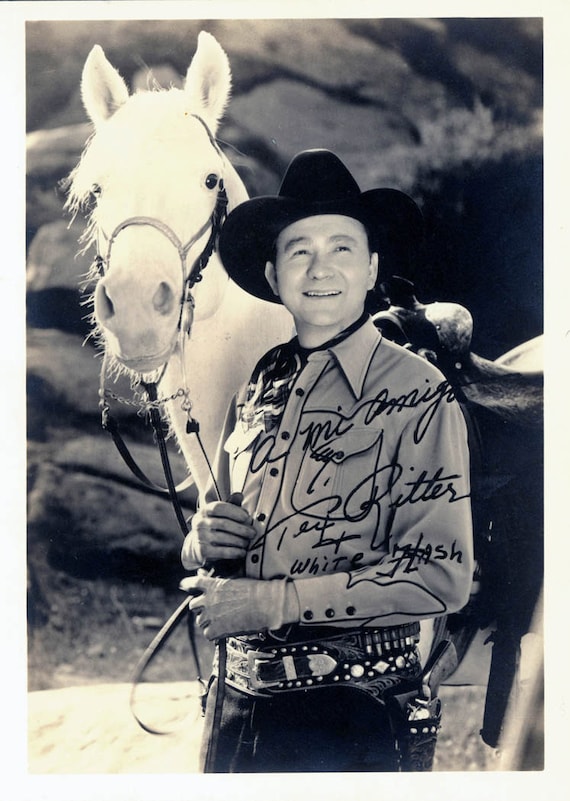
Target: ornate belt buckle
(253, 660)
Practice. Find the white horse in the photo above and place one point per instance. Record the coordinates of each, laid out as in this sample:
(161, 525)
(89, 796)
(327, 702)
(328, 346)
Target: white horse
(156, 177)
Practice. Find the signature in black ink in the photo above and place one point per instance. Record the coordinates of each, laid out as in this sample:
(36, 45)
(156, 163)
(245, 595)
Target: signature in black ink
(319, 527)
(322, 437)
(409, 557)
(431, 396)
(317, 565)
(426, 488)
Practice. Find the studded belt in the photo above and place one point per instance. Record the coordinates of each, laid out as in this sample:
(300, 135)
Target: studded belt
(370, 659)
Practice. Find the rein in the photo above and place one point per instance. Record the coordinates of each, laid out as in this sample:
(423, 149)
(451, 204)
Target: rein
(189, 280)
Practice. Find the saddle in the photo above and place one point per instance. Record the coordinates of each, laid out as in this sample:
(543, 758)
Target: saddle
(502, 402)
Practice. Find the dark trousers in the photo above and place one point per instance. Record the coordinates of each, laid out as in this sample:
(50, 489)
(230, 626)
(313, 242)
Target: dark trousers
(325, 729)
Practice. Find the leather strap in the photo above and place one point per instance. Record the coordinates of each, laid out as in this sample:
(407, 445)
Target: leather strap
(110, 424)
(152, 650)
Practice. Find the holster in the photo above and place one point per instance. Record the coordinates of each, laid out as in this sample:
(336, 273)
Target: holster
(415, 711)
(415, 725)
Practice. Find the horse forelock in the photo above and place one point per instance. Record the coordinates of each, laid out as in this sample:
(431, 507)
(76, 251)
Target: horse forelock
(163, 118)
(132, 148)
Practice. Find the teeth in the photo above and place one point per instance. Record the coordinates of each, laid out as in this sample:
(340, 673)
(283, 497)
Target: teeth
(321, 294)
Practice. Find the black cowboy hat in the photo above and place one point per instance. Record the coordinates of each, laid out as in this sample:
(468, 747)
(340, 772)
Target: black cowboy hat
(317, 182)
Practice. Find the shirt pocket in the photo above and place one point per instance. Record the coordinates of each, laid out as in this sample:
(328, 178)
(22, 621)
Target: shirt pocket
(358, 475)
(338, 474)
(239, 446)
(240, 440)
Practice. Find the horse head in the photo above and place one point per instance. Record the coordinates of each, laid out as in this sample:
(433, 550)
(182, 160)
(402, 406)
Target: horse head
(510, 386)
(158, 183)
(156, 187)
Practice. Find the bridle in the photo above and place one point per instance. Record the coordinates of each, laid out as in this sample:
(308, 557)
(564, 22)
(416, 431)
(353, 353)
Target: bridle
(189, 279)
(215, 222)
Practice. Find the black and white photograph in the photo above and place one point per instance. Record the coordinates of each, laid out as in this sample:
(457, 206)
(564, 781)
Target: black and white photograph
(284, 290)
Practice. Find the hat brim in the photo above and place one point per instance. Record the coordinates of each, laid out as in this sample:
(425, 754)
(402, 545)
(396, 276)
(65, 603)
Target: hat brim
(247, 240)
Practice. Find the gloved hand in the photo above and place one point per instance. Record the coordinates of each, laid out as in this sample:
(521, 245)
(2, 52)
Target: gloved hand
(221, 530)
(227, 607)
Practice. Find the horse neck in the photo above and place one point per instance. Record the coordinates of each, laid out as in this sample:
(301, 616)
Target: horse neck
(217, 359)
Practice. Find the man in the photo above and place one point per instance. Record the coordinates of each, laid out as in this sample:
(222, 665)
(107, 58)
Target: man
(341, 492)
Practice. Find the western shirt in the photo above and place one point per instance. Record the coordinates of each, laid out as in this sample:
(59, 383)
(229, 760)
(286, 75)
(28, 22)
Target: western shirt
(360, 494)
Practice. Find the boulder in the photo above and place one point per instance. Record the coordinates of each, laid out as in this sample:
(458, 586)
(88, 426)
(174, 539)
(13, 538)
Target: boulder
(55, 152)
(54, 257)
(98, 456)
(64, 371)
(95, 520)
(273, 111)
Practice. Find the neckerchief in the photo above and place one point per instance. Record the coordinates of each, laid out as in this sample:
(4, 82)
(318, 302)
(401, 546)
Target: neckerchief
(274, 375)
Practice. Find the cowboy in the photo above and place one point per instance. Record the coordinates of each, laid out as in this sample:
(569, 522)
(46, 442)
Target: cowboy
(341, 493)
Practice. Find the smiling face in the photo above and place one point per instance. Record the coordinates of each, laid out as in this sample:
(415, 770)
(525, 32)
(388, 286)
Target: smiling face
(323, 270)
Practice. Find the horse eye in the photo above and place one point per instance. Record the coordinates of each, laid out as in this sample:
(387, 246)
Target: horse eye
(95, 192)
(211, 181)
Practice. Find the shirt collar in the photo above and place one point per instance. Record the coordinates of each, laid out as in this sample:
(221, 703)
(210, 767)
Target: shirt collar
(355, 353)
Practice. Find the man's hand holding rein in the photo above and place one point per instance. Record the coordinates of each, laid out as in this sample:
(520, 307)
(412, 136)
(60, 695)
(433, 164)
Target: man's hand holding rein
(221, 530)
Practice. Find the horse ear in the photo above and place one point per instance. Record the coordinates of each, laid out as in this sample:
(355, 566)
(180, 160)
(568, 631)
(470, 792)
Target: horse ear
(208, 80)
(103, 90)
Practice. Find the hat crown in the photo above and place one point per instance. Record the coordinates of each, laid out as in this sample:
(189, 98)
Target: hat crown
(317, 176)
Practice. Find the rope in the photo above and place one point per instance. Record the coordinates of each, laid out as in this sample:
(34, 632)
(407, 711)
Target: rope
(160, 639)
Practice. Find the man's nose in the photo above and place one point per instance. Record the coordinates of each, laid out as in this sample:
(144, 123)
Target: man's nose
(319, 267)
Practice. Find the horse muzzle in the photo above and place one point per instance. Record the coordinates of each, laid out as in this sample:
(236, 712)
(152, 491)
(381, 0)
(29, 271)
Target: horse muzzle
(140, 324)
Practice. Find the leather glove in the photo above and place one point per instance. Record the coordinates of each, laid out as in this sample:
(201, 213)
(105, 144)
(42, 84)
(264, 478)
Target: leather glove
(226, 607)
(222, 530)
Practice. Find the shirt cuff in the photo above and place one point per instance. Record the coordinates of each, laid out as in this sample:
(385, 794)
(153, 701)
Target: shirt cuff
(322, 600)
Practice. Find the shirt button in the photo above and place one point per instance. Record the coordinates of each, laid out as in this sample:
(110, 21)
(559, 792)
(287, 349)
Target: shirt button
(274, 471)
(300, 392)
(285, 435)
(350, 610)
(261, 517)
(308, 615)
(330, 613)
(255, 558)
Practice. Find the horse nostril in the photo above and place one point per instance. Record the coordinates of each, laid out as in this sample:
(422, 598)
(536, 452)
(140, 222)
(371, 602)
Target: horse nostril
(163, 298)
(104, 308)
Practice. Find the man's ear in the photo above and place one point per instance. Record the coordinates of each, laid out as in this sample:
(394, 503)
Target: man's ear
(373, 270)
(271, 277)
